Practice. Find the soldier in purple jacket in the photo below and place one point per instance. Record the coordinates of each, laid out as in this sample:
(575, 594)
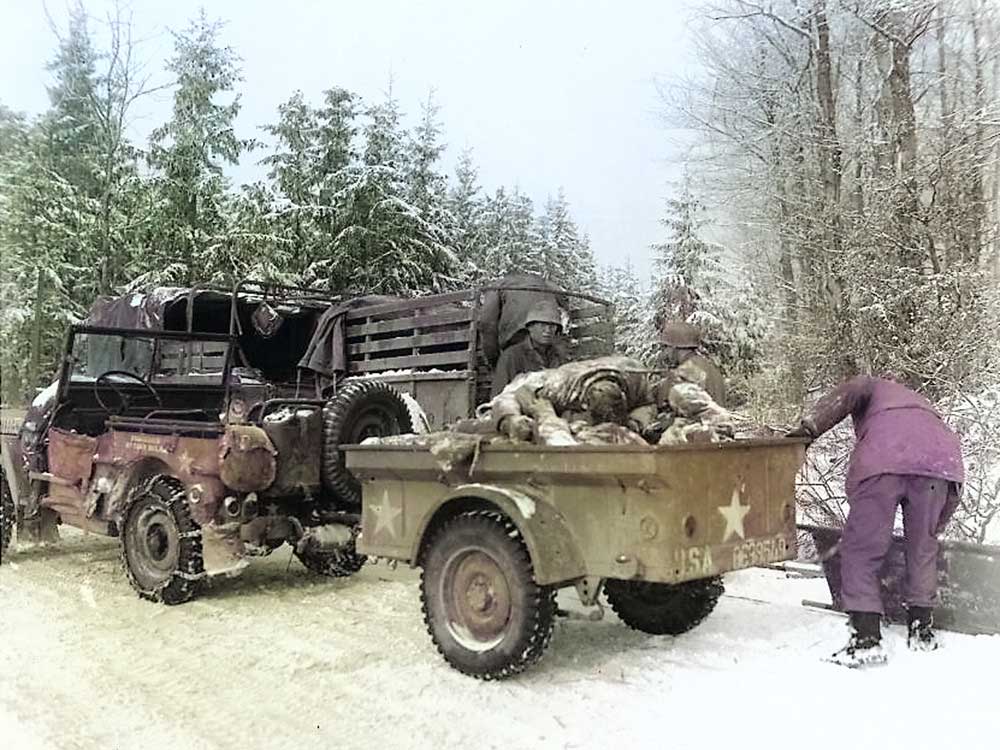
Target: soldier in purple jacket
(905, 455)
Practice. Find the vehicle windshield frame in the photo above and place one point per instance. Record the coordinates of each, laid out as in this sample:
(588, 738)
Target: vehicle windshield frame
(66, 366)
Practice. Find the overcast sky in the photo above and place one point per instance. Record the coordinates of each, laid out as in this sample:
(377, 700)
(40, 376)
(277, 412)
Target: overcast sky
(547, 94)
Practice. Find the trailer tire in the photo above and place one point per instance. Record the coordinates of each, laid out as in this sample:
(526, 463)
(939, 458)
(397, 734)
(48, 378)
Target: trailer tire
(363, 409)
(483, 609)
(663, 608)
(160, 542)
(8, 515)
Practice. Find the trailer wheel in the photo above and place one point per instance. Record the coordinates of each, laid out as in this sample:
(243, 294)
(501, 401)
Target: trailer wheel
(360, 410)
(161, 543)
(8, 514)
(663, 608)
(482, 607)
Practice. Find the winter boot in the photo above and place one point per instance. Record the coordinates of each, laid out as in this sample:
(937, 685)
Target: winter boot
(864, 648)
(920, 629)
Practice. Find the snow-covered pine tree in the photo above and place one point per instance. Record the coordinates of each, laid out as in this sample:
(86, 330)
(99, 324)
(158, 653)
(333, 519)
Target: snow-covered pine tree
(427, 186)
(510, 235)
(45, 221)
(189, 152)
(567, 256)
(635, 334)
(692, 284)
(386, 244)
(310, 165)
(465, 204)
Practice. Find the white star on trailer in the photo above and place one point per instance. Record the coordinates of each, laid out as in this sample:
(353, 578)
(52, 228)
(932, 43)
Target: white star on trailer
(385, 516)
(734, 513)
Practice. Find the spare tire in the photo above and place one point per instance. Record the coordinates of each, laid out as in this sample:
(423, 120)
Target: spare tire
(359, 410)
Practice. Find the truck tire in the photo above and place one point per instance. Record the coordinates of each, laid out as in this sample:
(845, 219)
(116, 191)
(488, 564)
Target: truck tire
(339, 563)
(363, 409)
(482, 607)
(663, 608)
(8, 515)
(161, 543)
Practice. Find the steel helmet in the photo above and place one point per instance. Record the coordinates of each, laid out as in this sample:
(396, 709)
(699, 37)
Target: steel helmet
(680, 334)
(544, 311)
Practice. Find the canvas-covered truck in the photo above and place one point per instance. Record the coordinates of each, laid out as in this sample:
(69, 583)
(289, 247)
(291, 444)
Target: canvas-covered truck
(498, 534)
(203, 427)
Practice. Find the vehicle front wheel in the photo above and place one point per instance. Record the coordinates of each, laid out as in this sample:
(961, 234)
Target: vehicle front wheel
(8, 515)
(483, 609)
(663, 608)
(161, 543)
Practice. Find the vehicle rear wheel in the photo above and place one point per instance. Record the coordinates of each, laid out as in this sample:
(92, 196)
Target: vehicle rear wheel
(663, 608)
(8, 515)
(483, 609)
(338, 563)
(161, 543)
(360, 410)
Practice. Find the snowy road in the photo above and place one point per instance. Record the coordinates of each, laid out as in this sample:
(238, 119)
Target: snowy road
(280, 658)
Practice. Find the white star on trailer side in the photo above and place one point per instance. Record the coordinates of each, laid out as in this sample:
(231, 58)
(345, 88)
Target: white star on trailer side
(385, 516)
(734, 513)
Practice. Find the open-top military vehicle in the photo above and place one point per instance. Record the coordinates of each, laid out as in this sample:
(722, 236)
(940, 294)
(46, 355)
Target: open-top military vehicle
(203, 427)
(498, 533)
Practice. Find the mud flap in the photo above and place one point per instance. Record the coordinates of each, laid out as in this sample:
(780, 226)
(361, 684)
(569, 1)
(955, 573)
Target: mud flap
(222, 550)
(42, 528)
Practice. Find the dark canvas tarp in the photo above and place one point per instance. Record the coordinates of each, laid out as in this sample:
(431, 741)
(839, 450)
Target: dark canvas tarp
(327, 351)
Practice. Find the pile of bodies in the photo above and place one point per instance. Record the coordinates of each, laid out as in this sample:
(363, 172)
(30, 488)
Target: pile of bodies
(605, 401)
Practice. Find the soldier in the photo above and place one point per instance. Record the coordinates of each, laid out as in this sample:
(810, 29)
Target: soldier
(537, 350)
(679, 344)
(501, 317)
(905, 455)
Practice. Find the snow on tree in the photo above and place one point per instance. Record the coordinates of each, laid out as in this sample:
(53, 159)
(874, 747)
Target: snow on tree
(189, 152)
(510, 236)
(568, 259)
(635, 331)
(465, 204)
(693, 284)
(386, 244)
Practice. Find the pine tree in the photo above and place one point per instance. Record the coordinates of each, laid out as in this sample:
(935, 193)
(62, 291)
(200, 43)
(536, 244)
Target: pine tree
(568, 259)
(310, 167)
(633, 320)
(510, 235)
(427, 187)
(691, 285)
(466, 207)
(385, 243)
(189, 153)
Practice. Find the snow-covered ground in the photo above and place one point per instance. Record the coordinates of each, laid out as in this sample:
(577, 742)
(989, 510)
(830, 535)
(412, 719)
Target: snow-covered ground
(280, 658)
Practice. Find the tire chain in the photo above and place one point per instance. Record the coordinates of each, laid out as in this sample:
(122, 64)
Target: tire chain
(336, 563)
(187, 581)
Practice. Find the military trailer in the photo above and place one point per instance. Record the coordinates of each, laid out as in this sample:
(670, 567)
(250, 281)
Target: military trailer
(203, 427)
(498, 534)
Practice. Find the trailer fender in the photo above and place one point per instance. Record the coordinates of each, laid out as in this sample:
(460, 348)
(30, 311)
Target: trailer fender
(554, 555)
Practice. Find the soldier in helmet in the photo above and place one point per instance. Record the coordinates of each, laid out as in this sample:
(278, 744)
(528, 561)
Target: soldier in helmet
(679, 344)
(537, 349)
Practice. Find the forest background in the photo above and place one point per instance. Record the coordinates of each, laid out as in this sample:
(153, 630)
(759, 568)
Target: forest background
(847, 152)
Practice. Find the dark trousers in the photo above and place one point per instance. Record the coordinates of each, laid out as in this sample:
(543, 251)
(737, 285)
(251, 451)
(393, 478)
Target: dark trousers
(868, 535)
